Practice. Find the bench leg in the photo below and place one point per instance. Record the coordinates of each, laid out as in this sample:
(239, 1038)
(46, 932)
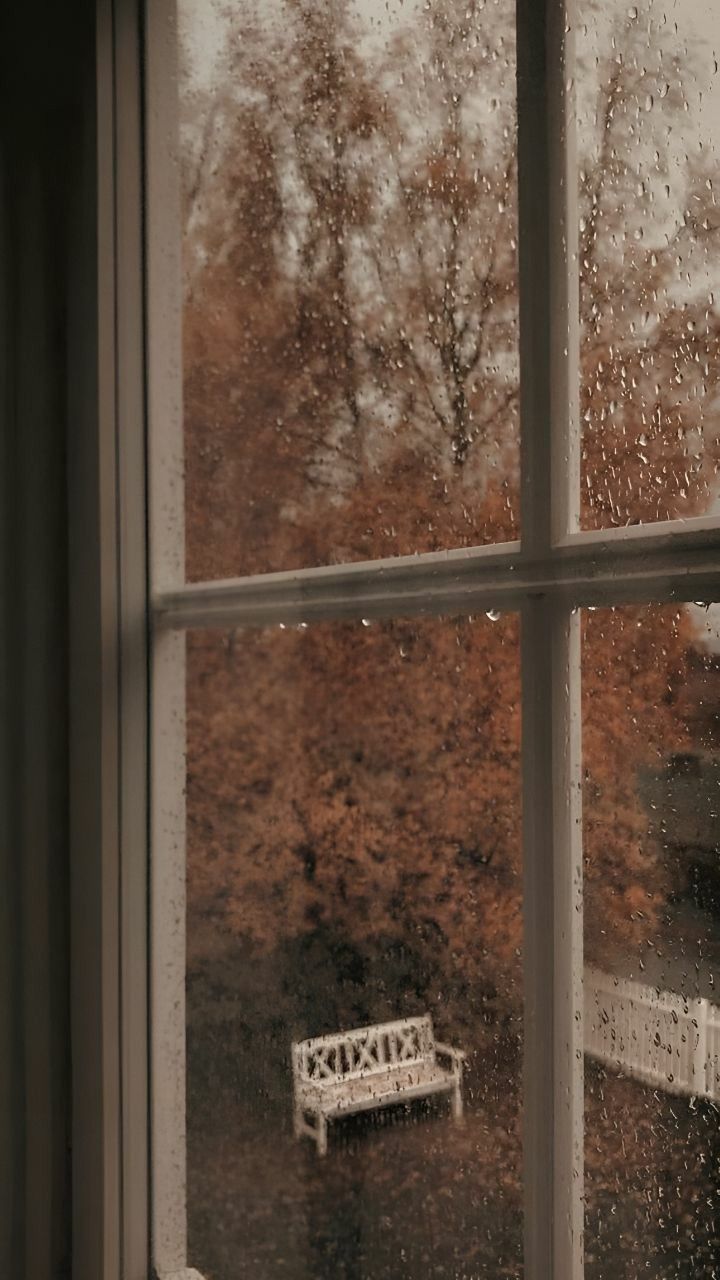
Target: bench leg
(321, 1138)
(457, 1102)
(317, 1130)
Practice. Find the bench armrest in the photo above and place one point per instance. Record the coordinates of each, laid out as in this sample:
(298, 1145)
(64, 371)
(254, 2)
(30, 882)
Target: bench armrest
(457, 1056)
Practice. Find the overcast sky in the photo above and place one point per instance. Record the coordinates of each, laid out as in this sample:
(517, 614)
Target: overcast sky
(203, 21)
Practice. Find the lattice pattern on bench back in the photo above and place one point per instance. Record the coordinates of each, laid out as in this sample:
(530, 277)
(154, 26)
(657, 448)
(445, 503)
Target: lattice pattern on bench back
(349, 1054)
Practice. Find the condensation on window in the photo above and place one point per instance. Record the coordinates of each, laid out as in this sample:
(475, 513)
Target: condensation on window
(651, 762)
(354, 939)
(350, 280)
(647, 93)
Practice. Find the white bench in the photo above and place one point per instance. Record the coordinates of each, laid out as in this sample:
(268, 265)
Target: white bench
(367, 1068)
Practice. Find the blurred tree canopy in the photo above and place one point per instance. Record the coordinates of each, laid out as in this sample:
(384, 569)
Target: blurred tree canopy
(351, 391)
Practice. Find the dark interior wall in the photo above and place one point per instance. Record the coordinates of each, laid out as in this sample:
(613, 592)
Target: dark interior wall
(47, 94)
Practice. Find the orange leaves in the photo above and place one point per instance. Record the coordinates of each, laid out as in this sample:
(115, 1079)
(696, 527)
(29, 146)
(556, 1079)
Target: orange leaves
(358, 777)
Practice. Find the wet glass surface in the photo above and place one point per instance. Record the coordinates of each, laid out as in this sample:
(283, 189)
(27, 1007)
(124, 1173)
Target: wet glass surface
(350, 280)
(648, 103)
(350, 391)
(353, 860)
(651, 741)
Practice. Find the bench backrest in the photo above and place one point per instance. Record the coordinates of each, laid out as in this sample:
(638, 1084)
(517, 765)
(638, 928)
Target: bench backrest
(346, 1055)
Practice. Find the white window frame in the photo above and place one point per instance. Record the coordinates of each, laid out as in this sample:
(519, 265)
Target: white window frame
(130, 1088)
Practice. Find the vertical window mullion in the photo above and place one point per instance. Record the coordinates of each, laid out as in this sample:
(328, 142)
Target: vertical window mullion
(166, 461)
(94, 711)
(550, 651)
(134, 692)
(167, 572)
(168, 952)
(553, 1096)
(548, 272)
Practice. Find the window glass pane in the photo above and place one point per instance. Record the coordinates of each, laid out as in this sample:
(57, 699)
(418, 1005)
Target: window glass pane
(648, 100)
(350, 280)
(651, 694)
(354, 861)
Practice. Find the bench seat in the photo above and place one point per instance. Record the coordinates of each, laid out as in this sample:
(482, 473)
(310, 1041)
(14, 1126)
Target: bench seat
(380, 1089)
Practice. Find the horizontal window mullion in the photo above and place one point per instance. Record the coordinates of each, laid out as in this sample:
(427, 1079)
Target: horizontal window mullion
(692, 534)
(350, 590)
(643, 570)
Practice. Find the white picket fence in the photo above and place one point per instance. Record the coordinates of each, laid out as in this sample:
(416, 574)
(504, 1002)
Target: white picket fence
(658, 1037)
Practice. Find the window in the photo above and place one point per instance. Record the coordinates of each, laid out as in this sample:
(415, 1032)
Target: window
(354, 653)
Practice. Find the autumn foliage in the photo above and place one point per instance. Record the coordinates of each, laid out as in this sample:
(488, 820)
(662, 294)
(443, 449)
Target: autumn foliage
(351, 386)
